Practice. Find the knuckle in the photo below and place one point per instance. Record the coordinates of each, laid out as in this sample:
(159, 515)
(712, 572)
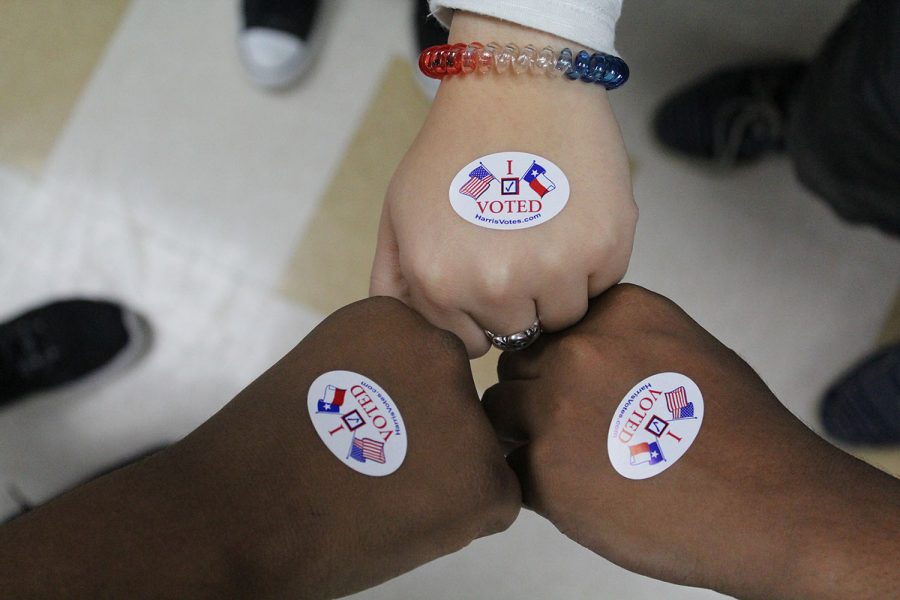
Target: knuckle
(387, 305)
(632, 214)
(380, 308)
(448, 345)
(576, 349)
(635, 307)
(563, 320)
(555, 259)
(632, 296)
(543, 458)
(562, 409)
(498, 286)
(436, 280)
(439, 355)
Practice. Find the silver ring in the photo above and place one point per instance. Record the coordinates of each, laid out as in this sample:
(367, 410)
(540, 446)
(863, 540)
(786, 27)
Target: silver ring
(518, 340)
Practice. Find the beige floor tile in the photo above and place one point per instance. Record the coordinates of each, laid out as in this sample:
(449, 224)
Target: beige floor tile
(330, 267)
(48, 50)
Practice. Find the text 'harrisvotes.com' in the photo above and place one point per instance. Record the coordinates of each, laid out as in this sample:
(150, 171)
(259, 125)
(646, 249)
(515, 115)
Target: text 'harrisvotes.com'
(508, 221)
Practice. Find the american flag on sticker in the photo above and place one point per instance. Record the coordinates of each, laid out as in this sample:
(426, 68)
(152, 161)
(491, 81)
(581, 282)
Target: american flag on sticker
(678, 405)
(479, 181)
(367, 449)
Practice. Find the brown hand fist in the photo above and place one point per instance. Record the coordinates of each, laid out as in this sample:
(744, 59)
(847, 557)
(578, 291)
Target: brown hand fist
(317, 513)
(742, 511)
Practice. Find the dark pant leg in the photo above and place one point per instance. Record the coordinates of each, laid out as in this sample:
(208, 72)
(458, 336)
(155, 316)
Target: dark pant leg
(844, 121)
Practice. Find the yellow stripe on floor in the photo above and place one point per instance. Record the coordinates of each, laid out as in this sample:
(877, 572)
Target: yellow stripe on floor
(331, 265)
(48, 50)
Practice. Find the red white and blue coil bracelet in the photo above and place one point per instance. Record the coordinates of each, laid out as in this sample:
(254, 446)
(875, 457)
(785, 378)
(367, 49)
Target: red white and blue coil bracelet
(462, 59)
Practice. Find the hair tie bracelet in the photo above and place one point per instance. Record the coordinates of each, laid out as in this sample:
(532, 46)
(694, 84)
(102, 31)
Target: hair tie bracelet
(607, 70)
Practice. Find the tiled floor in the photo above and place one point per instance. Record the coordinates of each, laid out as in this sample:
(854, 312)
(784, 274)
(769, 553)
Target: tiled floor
(179, 188)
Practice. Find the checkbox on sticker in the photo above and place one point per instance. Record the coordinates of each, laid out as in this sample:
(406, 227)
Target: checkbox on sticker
(353, 420)
(509, 186)
(656, 426)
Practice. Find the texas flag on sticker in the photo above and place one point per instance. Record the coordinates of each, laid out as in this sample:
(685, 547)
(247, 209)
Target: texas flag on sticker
(538, 180)
(333, 400)
(646, 452)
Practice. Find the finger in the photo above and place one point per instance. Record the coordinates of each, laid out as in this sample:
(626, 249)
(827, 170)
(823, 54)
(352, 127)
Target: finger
(511, 412)
(524, 364)
(600, 282)
(453, 320)
(387, 278)
(563, 303)
(503, 318)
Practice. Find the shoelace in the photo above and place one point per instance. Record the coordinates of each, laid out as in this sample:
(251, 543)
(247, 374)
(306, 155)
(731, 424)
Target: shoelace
(25, 351)
(757, 115)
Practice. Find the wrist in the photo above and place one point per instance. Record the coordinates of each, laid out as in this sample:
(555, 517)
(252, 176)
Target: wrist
(829, 533)
(470, 27)
(848, 533)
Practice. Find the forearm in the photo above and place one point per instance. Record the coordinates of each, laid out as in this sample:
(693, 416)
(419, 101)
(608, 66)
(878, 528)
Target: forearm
(256, 504)
(220, 514)
(139, 531)
(849, 529)
(559, 112)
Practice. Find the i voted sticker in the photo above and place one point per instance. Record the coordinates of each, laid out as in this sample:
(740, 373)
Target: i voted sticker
(509, 190)
(654, 425)
(358, 422)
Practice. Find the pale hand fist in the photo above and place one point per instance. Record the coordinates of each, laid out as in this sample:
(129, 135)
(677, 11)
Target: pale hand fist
(466, 278)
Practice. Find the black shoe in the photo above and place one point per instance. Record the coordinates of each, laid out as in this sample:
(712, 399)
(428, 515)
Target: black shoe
(863, 407)
(732, 116)
(428, 33)
(64, 341)
(278, 40)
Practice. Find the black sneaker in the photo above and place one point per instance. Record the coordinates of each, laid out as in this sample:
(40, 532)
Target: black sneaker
(733, 116)
(428, 33)
(863, 407)
(65, 341)
(278, 39)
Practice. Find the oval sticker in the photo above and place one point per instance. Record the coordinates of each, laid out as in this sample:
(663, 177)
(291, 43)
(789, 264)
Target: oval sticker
(509, 190)
(654, 425)
(358, 422)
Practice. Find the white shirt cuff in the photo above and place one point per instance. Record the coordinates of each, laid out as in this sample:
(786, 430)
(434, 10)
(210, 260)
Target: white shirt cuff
(591, 23)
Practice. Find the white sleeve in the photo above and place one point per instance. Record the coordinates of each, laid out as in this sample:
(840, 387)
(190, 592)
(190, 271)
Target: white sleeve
(588, 22)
